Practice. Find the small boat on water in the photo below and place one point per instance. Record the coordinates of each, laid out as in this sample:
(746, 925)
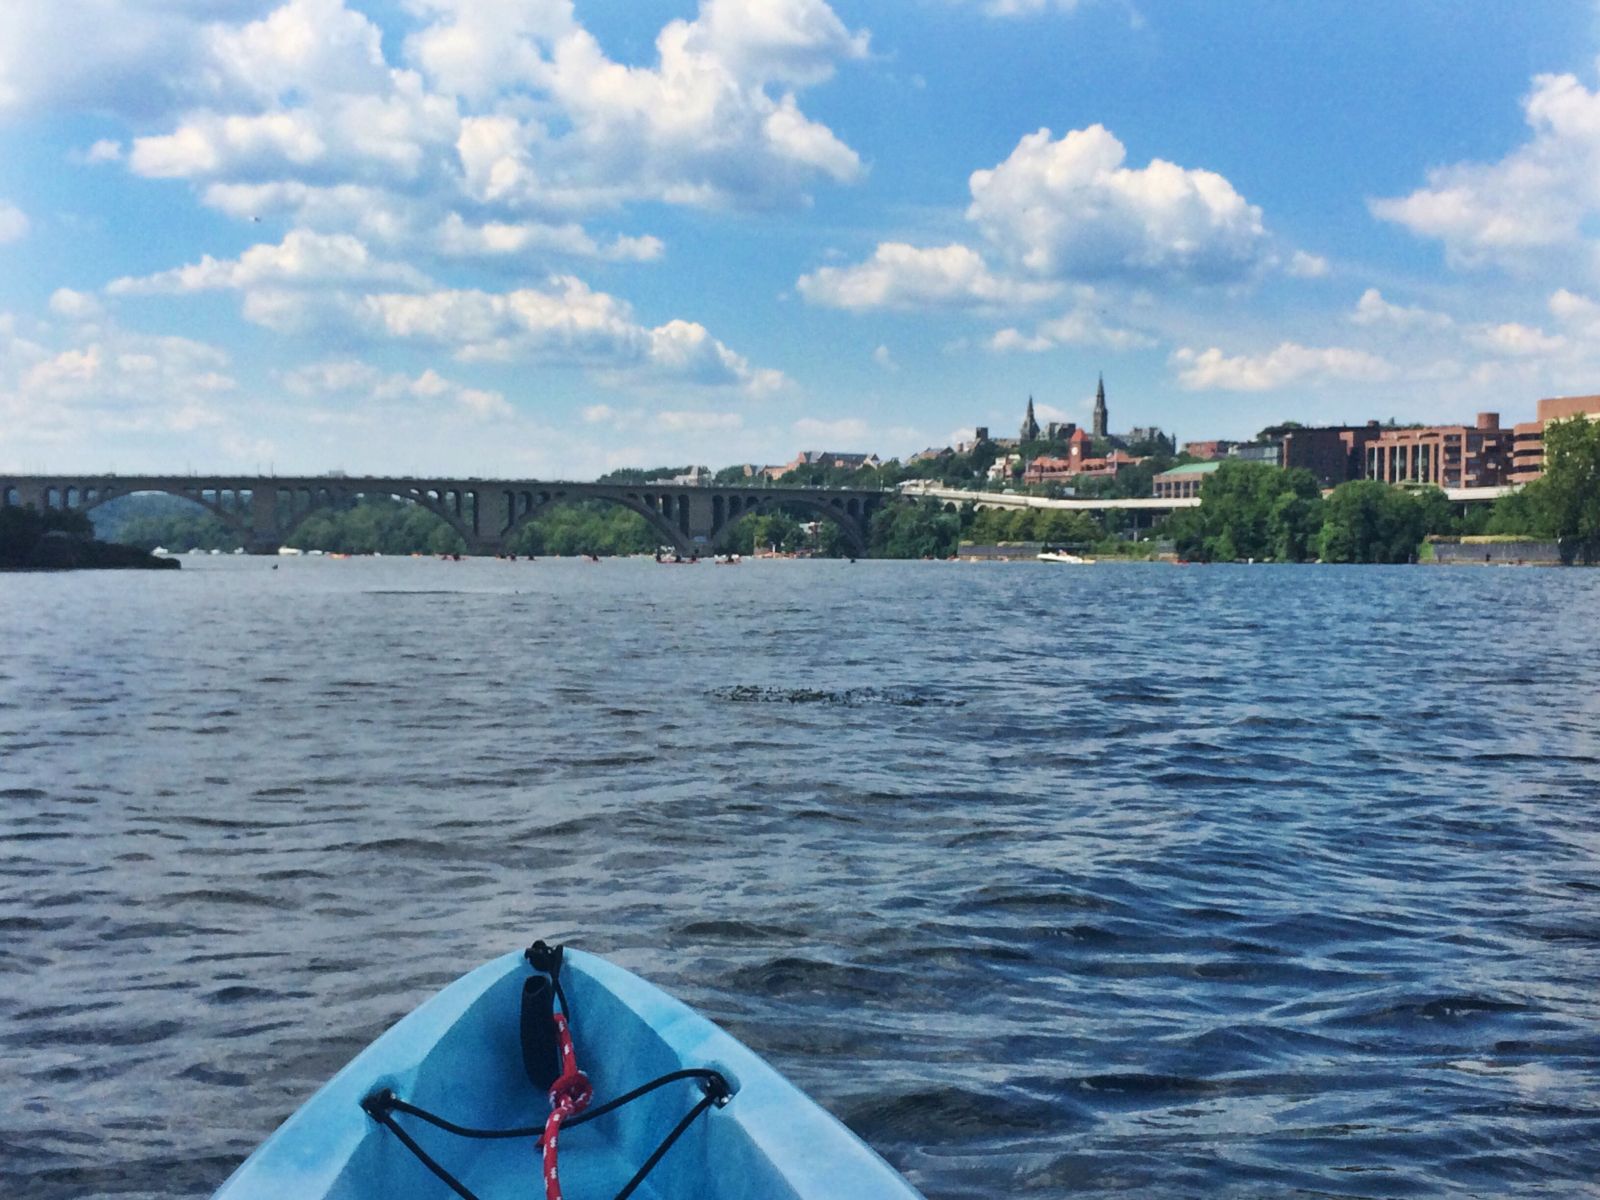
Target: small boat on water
(553, 1069)
(1063, 556)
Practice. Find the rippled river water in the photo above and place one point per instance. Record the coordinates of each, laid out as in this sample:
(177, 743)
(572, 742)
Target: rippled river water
(1050, 881)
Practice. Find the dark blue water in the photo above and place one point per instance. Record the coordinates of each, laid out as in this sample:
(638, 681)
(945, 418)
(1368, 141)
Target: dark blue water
(1108, 881)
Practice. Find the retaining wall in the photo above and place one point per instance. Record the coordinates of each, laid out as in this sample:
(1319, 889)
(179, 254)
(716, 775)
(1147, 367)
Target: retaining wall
(1497, 554)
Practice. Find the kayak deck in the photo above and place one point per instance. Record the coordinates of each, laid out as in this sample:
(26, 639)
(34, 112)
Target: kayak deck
(459, 1056)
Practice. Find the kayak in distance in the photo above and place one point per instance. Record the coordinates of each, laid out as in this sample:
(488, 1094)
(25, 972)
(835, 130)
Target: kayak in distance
(554, 1073)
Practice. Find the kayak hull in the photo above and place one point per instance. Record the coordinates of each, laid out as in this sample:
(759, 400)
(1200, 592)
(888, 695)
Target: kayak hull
(459, 1056)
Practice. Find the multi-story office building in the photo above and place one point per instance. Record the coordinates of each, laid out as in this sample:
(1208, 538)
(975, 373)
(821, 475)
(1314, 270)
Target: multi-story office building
(1447, 456)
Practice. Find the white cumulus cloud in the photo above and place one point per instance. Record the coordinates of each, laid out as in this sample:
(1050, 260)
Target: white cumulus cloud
(1304, 265)
(714, 121)
(497, 239)
(1289, 362)
(1069, 210)
(136, 58)
(353, 379)
(302, 257)
(904, 276)
(1069, 207)
(1578, 312)
(77, 306)
(1514, 338)
(1373, 309)
(72, 385)
(1086, 324)
(565, 321)
(1536, 203)
(304, 45)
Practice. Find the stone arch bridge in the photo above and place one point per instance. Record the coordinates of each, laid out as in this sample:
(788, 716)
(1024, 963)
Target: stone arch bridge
(265, 510)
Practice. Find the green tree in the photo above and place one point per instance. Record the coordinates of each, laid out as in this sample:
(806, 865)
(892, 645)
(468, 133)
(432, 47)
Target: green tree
(585, 527)
(914, 531)
(151, 519)
(1522, 514)
(22, 529)
(1568, 494)
(26, 541)
(1249, 510)
(776, 530)
(1365, 521)
(1293, 525)
(1070, 529)
(1187, 529)
(1025, 525)
(1438, 513)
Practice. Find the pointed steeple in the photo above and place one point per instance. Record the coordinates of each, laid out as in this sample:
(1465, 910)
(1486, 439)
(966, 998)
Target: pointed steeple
(1100, 408)
(1030, 426)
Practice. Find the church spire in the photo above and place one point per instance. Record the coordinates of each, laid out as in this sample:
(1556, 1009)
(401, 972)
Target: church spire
(1030, 426)
(1100, 408)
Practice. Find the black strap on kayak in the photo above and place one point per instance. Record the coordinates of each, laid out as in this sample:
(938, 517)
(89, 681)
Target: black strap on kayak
(541, 1059)
(382, 1106)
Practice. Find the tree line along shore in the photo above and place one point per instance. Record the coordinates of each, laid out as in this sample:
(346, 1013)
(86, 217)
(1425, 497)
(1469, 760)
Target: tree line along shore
(1248, 511)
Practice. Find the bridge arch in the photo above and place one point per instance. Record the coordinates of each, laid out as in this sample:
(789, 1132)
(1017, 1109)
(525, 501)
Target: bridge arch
(236, 517)
(848, 514)
(530, 505)
(297, 505)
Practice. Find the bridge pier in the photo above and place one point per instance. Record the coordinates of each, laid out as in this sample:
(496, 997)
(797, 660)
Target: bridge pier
(698, 521)
(262, 533)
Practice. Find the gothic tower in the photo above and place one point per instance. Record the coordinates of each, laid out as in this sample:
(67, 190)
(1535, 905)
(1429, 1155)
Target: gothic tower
(1030, 427)
(1099, 409)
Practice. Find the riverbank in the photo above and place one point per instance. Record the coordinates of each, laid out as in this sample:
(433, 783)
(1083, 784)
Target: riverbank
(56, 540)
(63, 552)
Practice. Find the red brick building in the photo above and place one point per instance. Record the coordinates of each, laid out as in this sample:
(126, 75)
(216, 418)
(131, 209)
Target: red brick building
(1447, 456)
(1335, 454)
(1062, 469)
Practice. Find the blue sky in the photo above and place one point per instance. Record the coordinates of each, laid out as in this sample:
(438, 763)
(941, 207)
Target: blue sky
(548, 237)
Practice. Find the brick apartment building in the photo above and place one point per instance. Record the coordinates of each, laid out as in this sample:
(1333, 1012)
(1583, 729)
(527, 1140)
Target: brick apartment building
(1447, 456)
